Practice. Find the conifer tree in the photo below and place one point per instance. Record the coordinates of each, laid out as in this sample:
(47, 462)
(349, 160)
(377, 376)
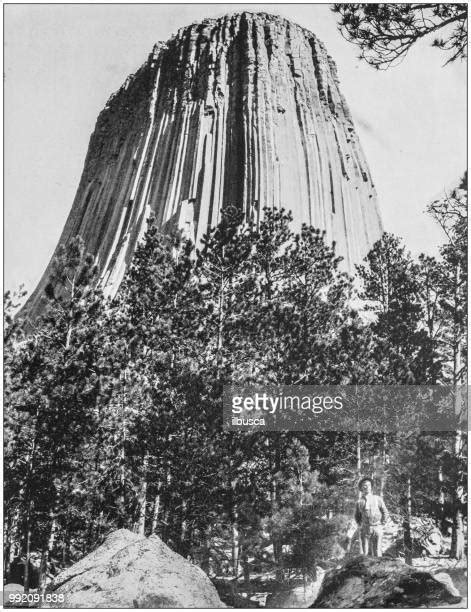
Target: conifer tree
(53, 386)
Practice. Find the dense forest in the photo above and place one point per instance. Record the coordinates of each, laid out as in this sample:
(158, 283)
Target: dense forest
(113, 408)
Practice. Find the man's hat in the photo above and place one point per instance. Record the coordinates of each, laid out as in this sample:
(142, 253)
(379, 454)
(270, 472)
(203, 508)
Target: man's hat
(366, 479)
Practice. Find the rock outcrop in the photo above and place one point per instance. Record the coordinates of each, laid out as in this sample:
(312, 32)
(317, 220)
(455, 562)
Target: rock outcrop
(130, 571)
(365, 582)
(243, 110)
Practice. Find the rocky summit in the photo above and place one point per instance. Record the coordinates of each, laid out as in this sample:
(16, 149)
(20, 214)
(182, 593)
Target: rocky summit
(244, 110)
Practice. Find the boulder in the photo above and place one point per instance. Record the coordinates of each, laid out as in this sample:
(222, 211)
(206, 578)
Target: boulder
(131, 571)
(367, 582)
(9, 591)
(447, 581)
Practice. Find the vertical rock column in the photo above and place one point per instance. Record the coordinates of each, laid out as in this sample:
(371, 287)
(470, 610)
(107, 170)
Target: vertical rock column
(244, 110)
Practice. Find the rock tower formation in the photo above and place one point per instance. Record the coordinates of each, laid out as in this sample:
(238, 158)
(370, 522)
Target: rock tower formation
(243, 110)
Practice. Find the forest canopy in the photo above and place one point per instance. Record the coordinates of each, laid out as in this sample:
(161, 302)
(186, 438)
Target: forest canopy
(113, 409)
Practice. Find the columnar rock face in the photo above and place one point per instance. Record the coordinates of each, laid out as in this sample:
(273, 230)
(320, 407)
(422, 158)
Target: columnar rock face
(244, 110)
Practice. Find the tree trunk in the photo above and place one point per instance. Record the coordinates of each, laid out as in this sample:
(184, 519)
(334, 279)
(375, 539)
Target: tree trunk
(65, 540)
(141, 525)
(46, 552)
(184, 528)
(29, 505)
(220, 329)
(206, 553)
(99, 523)
(274, 494)
(382, 482)
(457, 537)
(235, 545)
(301, 486)
(7, 553)
(43, 570)
(278, 555)
(66, 549)
(457, 534)
(245, 568)
(155, 514)
(441, 496)
(27, 577)
(234, 516)
(407, 524)
(359, 474)
(358, 455)
(11, 538)
(166, 521)
(122, 455)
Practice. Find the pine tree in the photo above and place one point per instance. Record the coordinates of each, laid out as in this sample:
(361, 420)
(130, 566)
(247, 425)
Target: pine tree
(53, 386)
(451, 214)
(391, 287)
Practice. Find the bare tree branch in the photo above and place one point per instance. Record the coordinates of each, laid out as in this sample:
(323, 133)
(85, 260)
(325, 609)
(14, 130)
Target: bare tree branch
(385, 32)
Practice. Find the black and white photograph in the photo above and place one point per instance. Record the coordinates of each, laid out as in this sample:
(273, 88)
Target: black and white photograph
(235, 324)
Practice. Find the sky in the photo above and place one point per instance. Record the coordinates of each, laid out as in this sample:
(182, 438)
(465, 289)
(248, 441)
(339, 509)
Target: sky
(63, 61)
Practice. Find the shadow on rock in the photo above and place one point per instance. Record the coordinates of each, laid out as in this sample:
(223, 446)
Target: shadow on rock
(366, 582)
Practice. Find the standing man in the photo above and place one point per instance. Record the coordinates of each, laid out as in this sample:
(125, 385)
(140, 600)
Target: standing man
(370, 515)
